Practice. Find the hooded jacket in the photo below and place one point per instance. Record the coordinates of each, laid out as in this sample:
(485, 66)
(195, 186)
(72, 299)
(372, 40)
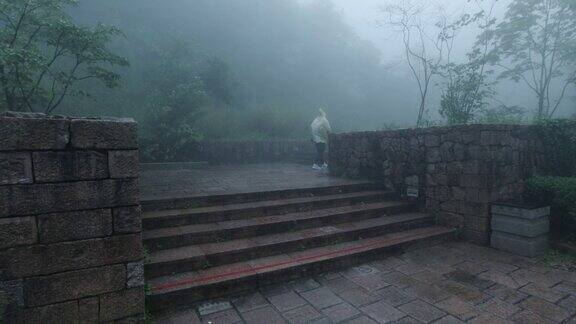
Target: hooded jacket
(320, 128)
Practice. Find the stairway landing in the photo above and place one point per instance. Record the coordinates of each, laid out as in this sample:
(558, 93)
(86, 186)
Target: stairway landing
(208, 246)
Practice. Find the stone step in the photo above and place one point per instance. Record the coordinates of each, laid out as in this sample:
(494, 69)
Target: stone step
(172, 237)
(203, 215)
(237, 198)
(185, 288)
(198, 257)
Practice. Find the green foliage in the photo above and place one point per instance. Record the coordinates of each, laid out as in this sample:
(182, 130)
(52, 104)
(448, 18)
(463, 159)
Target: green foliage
(502, 115)
(175, 93)
(275, 122)
(146, 254)
(148, 317)
(392, 126)
(559, 143)
(560, 192)
(253, 57)
(44, 55)
(254, 123)
(458, 234)
(536, 44)
(218, 82)
(465, 93)
(560, 260)
(190, 96)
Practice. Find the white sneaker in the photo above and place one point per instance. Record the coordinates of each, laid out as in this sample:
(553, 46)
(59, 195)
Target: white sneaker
(316, 167)
(325, 166)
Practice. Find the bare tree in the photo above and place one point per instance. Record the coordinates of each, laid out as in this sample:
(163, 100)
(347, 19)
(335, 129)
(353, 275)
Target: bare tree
(426, 44)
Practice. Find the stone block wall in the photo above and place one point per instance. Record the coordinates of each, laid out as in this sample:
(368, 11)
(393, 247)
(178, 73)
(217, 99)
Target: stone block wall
(70, 228)
(458, 170)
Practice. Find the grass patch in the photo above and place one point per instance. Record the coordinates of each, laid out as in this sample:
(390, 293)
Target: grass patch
(560, 193)
(146, 254)
(560, 260)
(147, 314)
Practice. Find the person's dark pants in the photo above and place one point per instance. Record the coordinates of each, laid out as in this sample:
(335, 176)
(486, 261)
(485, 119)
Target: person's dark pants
(320, 148)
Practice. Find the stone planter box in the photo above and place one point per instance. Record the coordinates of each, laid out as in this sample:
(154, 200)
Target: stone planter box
(520, 228)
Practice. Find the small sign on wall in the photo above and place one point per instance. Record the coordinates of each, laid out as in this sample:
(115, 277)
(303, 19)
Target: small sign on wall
(412, 192)
(412, 185)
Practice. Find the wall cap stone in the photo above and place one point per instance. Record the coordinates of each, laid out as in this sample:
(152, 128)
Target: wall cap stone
(31, 115)
(436, 130)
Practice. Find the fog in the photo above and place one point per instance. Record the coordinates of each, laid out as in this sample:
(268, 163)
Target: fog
(365, 17)
(254, 69)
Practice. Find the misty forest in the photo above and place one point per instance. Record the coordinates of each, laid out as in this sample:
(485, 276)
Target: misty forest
(287, 161)
(259, 69)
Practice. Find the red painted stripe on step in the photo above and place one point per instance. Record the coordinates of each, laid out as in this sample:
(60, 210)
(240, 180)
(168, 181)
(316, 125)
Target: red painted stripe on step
(233, 273)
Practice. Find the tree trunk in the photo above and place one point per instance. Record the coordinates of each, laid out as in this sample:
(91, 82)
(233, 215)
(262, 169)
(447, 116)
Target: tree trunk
(541, 113)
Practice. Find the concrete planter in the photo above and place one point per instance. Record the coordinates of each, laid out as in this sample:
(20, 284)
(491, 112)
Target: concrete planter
(520, 228)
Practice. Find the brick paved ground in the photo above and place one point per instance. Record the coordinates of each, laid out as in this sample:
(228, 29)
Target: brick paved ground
(450, 283)
(230, 179)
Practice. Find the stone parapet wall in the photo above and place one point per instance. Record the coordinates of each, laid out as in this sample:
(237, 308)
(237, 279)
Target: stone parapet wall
(459, 170)
(70, 227)
(245, 151)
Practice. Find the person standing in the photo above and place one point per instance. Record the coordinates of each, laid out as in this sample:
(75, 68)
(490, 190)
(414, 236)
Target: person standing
(320, 131)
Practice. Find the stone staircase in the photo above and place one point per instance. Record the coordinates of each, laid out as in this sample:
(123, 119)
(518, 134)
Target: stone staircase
(211, 246)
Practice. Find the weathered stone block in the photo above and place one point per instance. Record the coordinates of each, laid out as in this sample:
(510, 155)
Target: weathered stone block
(121, 304)
(76, 225)
(442, 193)
(38, 260)
(32, 132)
(45, 290)
(530, 247)
(520, 210)
(473, 181)
(88, 310)
(458, 193)
(46, 198)
(12, 294)
(450, 206)
(127, 220)
(473, 194)
(432, 140)
(70, 165)
(478, 153)
(474, 209)
(479, 224)
(135, 274)
(452, 136)
(65, 313)
(123, 164)
(491, 138)
(518, 226)
(15, 167)
(17, 231)
(437, 179)
(433, 155)
(104, 134)
(451, 219)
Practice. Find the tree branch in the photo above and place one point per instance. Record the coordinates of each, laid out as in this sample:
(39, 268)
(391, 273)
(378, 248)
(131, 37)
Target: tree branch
(67, 85)
(563, 93)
